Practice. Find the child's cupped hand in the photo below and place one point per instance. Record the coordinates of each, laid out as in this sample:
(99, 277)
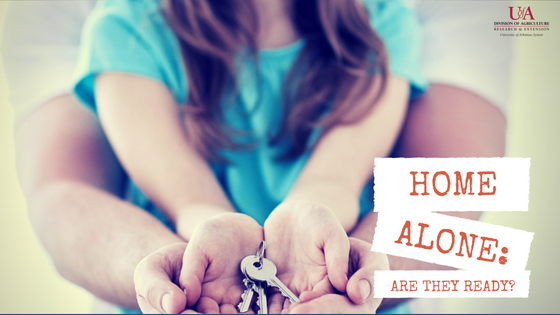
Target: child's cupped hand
(210, 275)
(310, 249)
(203, 276)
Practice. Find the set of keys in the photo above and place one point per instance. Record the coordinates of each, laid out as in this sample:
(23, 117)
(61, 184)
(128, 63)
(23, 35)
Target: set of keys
(259, 274)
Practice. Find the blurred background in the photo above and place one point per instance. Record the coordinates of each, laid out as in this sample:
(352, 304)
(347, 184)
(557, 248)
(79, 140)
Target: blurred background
(30, 284)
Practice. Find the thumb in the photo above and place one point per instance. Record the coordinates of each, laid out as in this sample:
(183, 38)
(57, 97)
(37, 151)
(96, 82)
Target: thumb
(361, 284)
(337, 249)
(153, 281)
(195, 263)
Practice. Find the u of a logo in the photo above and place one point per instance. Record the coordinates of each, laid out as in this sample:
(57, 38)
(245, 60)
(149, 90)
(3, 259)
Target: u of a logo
(520, 13)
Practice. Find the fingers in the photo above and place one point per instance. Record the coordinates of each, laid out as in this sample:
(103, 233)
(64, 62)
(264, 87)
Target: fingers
(153, 281)
(331, 304)
(360, 286)
(321, 288)
(228, 309)
(208, 306)
(309, 295)
(275, 303)
(192, 274)
(337, 248)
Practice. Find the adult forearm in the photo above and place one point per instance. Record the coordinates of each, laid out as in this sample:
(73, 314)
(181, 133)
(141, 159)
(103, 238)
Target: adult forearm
(72, 183)
(449, 121)
(95, 239)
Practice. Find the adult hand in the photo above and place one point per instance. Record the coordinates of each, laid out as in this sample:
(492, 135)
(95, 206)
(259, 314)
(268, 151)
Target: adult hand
(309, 247)
(210, 275)
(156, 280)
(359, 298)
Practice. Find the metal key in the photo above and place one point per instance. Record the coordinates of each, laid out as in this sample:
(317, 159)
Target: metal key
(266, 272)
(248, 261)
(252, 286)
(247, 296)
(262, 302)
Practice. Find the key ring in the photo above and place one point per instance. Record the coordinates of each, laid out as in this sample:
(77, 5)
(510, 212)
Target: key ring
(260, 253)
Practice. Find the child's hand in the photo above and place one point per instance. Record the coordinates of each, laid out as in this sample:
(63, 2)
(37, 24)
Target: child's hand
(309, 247)
(207, 271)
(210, 274)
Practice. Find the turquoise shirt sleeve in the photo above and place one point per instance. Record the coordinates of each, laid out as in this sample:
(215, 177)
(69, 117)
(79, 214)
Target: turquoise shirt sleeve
(129, 36)
(400, 31)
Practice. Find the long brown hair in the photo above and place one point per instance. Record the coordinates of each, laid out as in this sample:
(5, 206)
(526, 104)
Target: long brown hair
(341, 49)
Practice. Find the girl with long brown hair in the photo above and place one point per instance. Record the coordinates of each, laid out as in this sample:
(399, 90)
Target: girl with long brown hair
(230, 115)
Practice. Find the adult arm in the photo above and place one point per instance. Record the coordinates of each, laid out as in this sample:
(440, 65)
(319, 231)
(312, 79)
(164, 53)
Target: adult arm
(72, 183)
(446, 122)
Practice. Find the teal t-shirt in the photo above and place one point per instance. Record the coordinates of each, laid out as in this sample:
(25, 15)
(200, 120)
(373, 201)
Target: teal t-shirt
(131, 36)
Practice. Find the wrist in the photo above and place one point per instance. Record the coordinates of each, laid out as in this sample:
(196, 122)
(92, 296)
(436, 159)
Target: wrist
(342, 201)
(365, 229)
(190, 217)
(229, 227)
